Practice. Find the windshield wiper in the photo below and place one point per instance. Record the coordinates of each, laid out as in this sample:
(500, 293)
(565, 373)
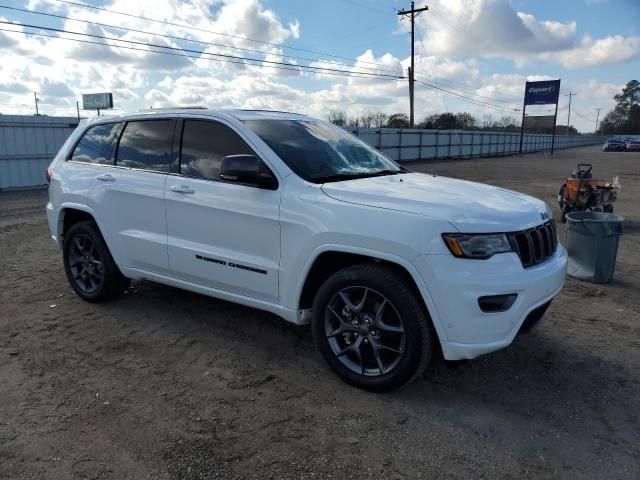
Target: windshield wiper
(354, 176)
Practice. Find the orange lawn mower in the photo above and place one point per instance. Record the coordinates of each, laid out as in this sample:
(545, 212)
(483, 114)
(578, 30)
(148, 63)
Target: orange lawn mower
(581, 192)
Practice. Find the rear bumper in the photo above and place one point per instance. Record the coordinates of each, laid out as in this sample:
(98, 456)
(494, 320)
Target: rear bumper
(455, 285)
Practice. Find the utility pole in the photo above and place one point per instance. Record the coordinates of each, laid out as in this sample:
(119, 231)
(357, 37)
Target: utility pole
(570, 94)
(413, 13)
(78, 109)
(35, 99)
(597, 118)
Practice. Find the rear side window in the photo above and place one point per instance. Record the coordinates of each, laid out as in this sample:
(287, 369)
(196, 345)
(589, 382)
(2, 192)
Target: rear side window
(147, 145)
(96, 145)
(204, 144)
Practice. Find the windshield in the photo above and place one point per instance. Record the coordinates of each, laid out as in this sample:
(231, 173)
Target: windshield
(320, 152)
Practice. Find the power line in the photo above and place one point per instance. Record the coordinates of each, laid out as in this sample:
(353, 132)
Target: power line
(469, 99)
(469, 90)
(173, 37)
(294, 68)
(463, 87)
(201, 52)
(190, 27)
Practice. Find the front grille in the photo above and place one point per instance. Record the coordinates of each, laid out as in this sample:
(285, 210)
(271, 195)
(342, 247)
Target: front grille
(535, 245)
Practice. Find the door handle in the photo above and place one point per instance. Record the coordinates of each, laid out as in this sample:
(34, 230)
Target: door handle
(182, 189)
(106, 178)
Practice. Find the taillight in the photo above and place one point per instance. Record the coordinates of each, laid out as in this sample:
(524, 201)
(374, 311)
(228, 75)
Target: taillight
(49, 175)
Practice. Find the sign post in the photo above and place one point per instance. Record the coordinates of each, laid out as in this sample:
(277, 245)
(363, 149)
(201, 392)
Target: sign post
(97, 101)
(544, 92)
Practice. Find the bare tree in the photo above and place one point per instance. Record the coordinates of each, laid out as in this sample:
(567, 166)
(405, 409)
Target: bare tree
(366, 120)
(379, 119)
(488, 121)
(338, 117)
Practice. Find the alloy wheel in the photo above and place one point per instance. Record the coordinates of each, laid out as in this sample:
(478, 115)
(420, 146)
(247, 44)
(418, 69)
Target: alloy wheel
(85, 263)
(365, 331)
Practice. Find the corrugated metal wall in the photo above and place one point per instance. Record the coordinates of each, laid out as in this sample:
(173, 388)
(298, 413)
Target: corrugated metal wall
(28, 143)
(405, 144)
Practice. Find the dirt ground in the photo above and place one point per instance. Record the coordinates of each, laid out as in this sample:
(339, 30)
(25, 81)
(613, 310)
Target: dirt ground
(167, 384)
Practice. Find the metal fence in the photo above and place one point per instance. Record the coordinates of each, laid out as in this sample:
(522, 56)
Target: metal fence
(28, 143)
(413, 144)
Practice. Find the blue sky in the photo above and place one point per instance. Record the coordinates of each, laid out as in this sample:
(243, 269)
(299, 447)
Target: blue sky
(484, 49)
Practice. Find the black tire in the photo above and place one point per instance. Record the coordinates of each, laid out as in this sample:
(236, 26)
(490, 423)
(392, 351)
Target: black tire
(561, 194)
(405, 353)
(91, 271)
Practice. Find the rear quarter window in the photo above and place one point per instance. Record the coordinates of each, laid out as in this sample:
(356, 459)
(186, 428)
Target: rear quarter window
(97, 145)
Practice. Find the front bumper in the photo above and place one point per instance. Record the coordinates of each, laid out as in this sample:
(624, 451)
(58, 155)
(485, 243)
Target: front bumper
(455, 285)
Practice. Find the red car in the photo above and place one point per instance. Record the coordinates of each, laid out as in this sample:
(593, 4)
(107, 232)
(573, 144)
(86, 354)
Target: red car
(633, 146)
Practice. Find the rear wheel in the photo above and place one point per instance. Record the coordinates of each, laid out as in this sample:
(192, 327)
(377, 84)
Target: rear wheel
(371, 328)
(90, 269)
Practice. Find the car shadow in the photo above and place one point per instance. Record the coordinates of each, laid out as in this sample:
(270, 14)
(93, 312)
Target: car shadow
(540, 376)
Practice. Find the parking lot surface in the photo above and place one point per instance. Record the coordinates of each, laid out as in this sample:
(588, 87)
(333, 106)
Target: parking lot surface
(166, 384)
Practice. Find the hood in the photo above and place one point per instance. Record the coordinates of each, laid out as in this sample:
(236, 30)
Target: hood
(470, 207)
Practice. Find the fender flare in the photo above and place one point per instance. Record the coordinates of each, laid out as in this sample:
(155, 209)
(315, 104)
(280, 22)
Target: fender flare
(72, 206)
(389, 257)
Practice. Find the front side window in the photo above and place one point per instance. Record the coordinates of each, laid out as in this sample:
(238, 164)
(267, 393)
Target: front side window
(205, 144)
(146, 144)
(320, 152)
(96, 145)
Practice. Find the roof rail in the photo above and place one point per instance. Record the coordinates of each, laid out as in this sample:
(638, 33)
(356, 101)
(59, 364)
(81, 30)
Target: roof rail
(187, 107)
(271, 111)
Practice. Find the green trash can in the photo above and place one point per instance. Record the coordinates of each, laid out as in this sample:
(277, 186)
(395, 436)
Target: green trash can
(592, 245)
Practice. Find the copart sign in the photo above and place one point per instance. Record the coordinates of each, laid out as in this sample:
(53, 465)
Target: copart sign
(541, 93)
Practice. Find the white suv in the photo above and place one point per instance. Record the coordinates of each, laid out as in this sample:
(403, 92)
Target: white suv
(295, 216)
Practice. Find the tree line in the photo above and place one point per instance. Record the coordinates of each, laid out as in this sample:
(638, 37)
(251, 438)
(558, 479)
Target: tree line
(625, 116)
(438, 121)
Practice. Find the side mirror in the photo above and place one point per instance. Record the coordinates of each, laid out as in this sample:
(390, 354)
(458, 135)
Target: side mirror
(247, 169)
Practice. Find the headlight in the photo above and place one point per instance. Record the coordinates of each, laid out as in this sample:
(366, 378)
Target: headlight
(479, 246)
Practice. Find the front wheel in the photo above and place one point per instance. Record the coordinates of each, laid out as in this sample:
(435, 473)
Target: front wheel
(371, 328)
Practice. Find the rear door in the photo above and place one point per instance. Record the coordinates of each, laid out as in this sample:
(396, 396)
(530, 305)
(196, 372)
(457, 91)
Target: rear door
(132, 206)
(89, 160)
(222, 235)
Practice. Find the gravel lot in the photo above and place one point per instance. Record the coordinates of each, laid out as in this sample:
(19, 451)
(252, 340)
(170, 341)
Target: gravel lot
(167, 384)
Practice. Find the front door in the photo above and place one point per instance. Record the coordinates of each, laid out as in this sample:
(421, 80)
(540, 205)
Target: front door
(221, 235)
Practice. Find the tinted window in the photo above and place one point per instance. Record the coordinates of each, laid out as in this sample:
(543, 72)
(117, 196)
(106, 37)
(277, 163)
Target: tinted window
(204, 144)
(96, 145)
(147, 145)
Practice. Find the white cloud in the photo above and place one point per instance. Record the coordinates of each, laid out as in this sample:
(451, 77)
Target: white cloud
(60, 70)
(609, 50)
(492, 28)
